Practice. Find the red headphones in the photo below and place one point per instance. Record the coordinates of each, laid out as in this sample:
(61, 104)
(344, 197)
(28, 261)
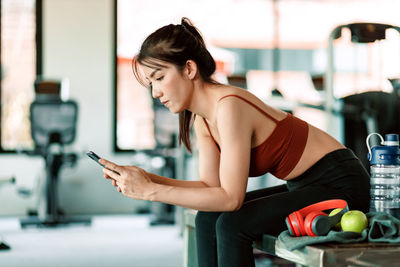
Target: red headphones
(312, 221)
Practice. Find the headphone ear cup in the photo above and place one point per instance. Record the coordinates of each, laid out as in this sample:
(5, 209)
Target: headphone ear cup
(312, 220)
(289, 225)
(297, 223)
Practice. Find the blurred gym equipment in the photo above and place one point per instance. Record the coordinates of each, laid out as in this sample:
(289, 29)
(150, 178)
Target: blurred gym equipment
(53, 125)
(164, 157)
(365, 112)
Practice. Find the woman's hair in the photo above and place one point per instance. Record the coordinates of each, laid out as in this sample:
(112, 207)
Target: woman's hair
(176, 44)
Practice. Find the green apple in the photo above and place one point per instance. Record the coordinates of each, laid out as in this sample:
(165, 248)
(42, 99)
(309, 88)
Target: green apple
(354, 221)
(334, 212)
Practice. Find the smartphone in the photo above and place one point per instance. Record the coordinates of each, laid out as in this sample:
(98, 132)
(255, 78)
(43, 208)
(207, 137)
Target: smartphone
(96, 158)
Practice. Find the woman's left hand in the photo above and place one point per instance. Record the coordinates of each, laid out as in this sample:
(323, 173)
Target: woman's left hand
(131, 181)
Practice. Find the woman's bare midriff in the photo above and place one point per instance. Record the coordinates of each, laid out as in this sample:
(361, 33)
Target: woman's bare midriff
(318, 145)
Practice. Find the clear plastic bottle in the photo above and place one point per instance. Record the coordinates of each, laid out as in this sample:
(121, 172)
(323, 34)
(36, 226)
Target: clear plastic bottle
(385, 175)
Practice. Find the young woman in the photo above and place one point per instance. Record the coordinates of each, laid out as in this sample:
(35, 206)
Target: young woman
(238, 136)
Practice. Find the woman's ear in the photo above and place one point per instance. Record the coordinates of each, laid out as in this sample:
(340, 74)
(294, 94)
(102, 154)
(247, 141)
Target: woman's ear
(191, 69)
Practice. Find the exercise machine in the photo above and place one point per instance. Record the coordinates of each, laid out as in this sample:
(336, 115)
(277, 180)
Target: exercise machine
(53, 126)
(366, 112)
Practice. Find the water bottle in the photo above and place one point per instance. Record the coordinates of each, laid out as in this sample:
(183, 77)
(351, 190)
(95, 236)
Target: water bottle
(385, 175)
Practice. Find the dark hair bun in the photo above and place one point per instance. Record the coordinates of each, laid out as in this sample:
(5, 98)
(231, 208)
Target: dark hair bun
(188, 25)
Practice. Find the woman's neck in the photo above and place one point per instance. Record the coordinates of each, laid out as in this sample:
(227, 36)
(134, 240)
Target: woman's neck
(204, 99)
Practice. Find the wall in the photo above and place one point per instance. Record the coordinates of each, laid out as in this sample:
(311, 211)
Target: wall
(78, 45)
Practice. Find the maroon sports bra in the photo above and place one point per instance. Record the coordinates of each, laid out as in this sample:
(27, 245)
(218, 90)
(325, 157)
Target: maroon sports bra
(281, 151)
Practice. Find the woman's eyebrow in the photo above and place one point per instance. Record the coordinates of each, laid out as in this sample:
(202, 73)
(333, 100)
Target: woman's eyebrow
(154, 72)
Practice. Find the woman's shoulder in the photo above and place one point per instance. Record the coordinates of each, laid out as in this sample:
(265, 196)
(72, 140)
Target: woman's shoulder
(240, 95)
(240, 99)
(234, 107)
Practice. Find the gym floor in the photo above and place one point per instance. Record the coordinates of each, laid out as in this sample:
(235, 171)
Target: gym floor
(109, 241)
(126, 240)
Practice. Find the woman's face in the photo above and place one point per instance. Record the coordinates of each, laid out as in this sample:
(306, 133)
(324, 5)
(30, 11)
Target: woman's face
(169, 85)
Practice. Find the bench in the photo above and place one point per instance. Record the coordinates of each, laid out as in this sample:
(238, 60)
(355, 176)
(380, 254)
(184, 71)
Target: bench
(327, 254)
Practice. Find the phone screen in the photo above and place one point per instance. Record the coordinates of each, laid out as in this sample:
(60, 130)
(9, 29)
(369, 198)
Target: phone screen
(96, 158)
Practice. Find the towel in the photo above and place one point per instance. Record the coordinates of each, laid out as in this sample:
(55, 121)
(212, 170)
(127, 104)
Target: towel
(382, 227)
(292, 243)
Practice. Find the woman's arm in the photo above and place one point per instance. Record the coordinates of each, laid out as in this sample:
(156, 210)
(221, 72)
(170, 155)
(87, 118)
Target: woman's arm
(174, 182)
(225, 174)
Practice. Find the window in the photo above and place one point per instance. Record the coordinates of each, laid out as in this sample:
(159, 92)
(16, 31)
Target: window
(20, 26)
(134, 127)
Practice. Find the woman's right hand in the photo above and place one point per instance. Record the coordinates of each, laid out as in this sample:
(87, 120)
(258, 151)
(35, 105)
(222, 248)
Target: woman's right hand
(132, 181)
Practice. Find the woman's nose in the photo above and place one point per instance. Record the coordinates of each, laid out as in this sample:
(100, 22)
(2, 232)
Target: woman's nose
(156, 93)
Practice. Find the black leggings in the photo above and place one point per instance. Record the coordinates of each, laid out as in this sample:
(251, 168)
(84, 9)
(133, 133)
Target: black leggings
(226, 238)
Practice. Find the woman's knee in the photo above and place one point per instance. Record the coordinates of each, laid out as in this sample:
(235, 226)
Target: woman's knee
(206, 220)
(231, 225)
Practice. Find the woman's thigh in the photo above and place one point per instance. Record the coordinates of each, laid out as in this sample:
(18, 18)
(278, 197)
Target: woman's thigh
(264, 192)
(266, 215)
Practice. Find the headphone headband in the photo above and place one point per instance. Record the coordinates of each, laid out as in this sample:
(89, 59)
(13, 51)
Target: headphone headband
(323, 205)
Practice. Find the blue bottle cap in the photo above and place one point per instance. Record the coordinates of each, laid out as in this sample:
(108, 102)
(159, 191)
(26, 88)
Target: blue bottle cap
(385, 155)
